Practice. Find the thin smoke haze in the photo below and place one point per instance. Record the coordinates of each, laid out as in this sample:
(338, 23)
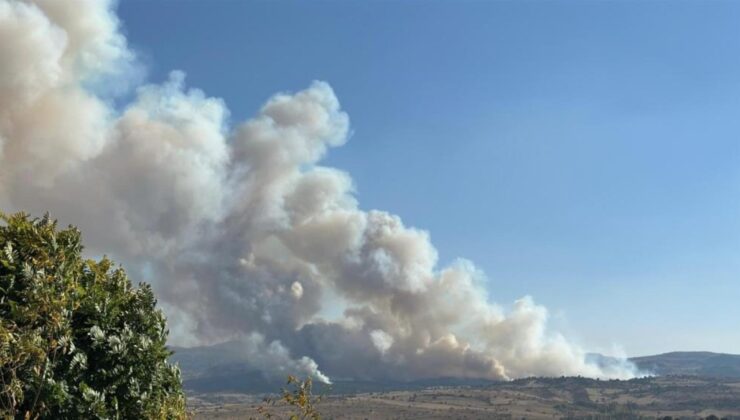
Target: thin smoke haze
(243, 233)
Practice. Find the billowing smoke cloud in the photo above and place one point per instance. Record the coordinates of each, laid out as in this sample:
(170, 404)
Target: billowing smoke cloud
(243, 233)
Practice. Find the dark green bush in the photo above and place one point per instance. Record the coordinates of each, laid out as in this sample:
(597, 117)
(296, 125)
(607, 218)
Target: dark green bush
(77, 340)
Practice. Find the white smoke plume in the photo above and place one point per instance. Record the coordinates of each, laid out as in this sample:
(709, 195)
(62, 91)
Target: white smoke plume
(240, 229)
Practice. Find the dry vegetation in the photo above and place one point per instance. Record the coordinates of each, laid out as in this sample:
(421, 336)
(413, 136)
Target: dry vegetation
(678, 397)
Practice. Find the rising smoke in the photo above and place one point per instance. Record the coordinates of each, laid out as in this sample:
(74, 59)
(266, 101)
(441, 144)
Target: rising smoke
(244, 235)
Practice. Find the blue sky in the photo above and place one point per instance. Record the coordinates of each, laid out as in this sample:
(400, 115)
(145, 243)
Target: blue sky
(586, 153)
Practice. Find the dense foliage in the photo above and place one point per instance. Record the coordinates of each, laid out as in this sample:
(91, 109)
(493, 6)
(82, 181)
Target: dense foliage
(77, 340)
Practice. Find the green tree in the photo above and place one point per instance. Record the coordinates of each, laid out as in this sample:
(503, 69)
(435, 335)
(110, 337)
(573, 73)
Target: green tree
(77, 340)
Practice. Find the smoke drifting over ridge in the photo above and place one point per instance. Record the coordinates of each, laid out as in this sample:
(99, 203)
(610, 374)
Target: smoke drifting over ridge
(243, 234)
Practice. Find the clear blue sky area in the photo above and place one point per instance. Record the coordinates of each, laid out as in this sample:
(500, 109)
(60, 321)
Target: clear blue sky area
(586, 153)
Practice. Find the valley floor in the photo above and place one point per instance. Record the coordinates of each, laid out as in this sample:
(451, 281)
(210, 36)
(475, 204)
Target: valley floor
(678, 397)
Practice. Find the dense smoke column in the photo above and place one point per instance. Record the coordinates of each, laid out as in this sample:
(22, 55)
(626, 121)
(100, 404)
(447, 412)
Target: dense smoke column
(242, 231)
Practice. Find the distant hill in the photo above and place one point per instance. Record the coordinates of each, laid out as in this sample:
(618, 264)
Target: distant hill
(223, 368)
(219, 368)
(201, 361)
(694, 363)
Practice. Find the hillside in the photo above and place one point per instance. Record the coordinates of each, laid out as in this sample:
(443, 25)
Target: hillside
(223, 368)
(532, 398)
(689, 384)
(698, 363)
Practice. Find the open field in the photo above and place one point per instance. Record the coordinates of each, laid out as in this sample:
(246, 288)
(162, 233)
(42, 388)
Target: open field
(687, 397)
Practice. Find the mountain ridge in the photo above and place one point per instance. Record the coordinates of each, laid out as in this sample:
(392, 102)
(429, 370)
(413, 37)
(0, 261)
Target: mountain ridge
(224, 367)
(690, 363)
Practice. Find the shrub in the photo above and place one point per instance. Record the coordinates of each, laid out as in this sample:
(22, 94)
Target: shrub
(299, 398)
(77, 340)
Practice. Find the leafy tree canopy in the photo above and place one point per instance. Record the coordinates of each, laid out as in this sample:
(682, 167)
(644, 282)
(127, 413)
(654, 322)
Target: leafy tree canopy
(77, 340)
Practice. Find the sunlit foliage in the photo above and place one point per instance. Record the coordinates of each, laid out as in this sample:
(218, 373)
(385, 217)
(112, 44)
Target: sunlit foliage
(77, 340)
